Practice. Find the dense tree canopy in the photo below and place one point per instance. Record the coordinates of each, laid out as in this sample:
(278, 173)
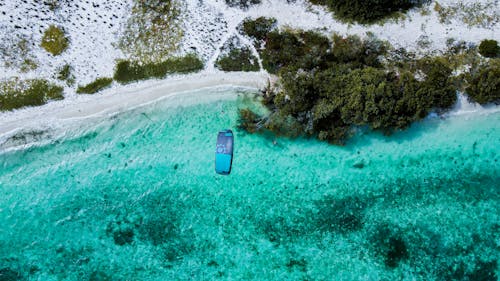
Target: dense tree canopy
(366, 11)
(489, 48)
(484, 86)
(329, 87)
(242, 3)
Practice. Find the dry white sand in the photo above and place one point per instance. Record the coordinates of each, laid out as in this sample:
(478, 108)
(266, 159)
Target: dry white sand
(122, 98)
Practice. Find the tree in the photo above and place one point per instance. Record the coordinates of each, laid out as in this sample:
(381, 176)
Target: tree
(489, 48)
(484, 86)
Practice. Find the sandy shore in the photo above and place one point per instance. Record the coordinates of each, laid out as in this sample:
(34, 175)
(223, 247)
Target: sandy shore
(120, 98)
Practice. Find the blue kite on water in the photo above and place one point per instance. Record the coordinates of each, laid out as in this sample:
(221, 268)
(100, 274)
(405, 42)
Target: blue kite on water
(224, 152)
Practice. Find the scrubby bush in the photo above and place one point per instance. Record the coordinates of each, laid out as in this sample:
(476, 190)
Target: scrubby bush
(28, 65)
(240, 59)
(304, 49)
(244, 4)
(259, 27)
(64, 73)
(489, 48)
(16, 93)
(130, 71)
(484, 85)
(328, 91)
(54, 40)
(152, 32)
(94, 87)
(310, 50)
(366, 11)
(358, 52)
(249, 120)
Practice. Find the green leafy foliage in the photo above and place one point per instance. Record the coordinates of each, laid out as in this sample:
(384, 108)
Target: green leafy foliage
(258, 28)
(153, 31)
(28, 65)
(305, 49)
(244, 4)
(130, 71)
(484, 85)
(96, 86)
(54, 40)
(366, 11)
(64, 73)
(329, 88)
(16, 93)
(240, 59)
(249, 120)
(489, 48)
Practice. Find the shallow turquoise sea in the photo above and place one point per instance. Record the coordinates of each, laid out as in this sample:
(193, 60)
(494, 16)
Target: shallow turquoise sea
(135, 197)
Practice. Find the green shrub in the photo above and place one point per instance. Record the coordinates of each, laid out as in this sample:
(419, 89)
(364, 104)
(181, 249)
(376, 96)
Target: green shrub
(310, 50)
(244, 4)
(249, 120)
(16, 93)
(130, 71)
(484, 86)
(366, 11)
(27, 65)
(437, 89)
(327, 91)
(153, 30)
(489, 48)
(54, 40)
(64, 73)
(358, 52)
(259, 27)
(94, 87)
(238, 60)
(304, 49)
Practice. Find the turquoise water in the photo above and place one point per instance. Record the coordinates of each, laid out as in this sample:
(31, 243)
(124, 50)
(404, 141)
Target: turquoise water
(135, 197)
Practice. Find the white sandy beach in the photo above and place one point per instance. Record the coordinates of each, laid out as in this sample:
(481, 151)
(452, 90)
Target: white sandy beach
(121, 98)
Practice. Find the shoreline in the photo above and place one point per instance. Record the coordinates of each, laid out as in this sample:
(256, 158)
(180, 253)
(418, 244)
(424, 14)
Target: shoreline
(30, 125)
(121, 98)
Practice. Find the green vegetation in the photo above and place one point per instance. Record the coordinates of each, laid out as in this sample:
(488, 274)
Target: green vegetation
(259, 28)
(16, 52)
(94, 87)
(16, 93)
(64, 73)
(54, 40)
(366, 11)
(153, 31)
(327, 89)
(473, 14)
(240, 59)
(305, 49)
(489, 48)
(484, 84)
(244, 4)
(130, 71)
(27, 65)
